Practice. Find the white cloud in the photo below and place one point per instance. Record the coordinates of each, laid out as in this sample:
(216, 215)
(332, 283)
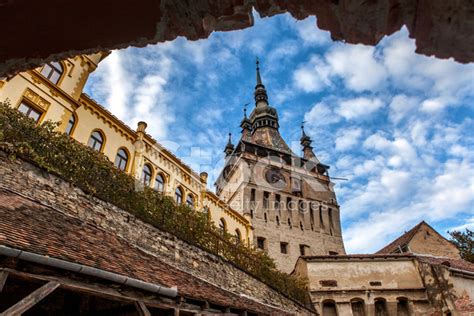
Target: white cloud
(433, 105)
(320, 114)
(348, 139)
(357, 66)
(358, 107)
(312, 76)
(401, 105)
(310, 33)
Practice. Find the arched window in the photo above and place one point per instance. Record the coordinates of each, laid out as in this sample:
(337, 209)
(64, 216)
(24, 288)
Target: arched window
(278, 221)
(71, 124)
(178, 194)
(96, 141)
(329, 308)
(121, 160)
(265, 217)
(222, 225)
(301, 225)
(238, 235)
(146, 174)
(190, 201)
(159, 183)
(289, 222)
(380, 307)
(52, 71)
(358, 308)
(402, 307)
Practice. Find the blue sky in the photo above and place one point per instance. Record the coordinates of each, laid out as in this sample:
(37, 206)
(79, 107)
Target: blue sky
(398, 125)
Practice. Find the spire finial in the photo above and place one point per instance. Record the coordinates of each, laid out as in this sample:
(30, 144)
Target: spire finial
(229, 148)
(259, 79)
(302, 128)
(245, 110)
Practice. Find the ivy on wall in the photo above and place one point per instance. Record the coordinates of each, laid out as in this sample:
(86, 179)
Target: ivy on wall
(95, 174)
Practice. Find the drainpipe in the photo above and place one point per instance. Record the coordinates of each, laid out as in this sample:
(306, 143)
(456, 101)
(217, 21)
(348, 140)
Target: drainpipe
(87, 270)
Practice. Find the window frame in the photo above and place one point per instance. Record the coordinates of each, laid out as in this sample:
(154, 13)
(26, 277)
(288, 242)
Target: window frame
(181, 194)
(191, 205)
(101, 133)
(73, 127)
(127, 160)
(51, 71)
(31, 107)
(142, 176)
(163, 178)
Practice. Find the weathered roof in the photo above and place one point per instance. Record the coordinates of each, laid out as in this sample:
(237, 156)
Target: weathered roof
(405, 238)
(31, 226)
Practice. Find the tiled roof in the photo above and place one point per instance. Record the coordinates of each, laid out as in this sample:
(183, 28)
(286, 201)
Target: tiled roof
(452, 263)
(30, 226)
(402, 240)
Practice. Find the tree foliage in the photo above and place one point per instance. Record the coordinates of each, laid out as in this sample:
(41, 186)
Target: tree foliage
(465, 243)
(95, 174)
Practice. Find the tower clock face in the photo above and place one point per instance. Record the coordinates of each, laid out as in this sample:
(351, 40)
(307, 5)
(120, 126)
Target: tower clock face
(275, 178)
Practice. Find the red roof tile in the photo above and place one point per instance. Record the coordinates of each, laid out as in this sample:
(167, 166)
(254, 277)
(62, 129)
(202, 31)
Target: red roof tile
(30, 226)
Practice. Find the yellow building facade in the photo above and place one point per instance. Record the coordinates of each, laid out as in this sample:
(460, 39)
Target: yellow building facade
(54, 92)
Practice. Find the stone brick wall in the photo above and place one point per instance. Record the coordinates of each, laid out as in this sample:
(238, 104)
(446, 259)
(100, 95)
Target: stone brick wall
(49, 189)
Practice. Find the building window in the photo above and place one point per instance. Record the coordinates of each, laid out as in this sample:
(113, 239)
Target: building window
(289, 222)
(301, 206)
(380, 307)
(277, 201)
(121, 160)
(52, 71)
(357, 307)
(284, 247)
(261, 242)
(321, 221)
(159, 183)
(178, 194)
(402, 307)
(301, 225)
(278, 221)
(266, 197)
(333, 253)
(289, 204)
(29, 111)
(71, 124)
(190, 201)
(222, 226)
(331, 224)
(304, 250)
(238, 235)
(329, 308)
(96, 141)
(265, 217)
(146, 174)
(311, 213)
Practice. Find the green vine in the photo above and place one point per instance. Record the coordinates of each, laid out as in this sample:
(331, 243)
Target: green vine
(95, 174)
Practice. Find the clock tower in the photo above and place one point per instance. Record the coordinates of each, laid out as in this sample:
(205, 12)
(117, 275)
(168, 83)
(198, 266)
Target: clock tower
(289, 198)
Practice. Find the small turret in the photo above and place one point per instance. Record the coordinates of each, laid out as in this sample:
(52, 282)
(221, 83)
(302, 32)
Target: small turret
(246, 125)
(229, 148)
(307, 148)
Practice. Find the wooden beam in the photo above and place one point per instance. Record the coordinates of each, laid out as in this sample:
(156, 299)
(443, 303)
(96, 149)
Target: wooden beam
(31, 300)
(106, 292)
(142, 309)
(3, 279)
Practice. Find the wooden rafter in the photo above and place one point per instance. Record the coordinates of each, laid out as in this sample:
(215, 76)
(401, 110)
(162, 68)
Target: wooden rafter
(31, 300)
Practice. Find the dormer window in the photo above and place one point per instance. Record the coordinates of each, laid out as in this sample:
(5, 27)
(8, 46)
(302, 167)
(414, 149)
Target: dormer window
(52, 71)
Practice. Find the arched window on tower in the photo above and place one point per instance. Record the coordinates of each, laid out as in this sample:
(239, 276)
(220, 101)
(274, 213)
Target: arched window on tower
(278, 221)
(52, 71)
(146, 174)
(159, 183)
(121, 160)
(178, 194)
(96, 140)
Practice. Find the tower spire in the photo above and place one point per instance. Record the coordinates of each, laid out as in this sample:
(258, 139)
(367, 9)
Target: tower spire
(259, 79)
(306, 143)
(246, 125)
(260, 93)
